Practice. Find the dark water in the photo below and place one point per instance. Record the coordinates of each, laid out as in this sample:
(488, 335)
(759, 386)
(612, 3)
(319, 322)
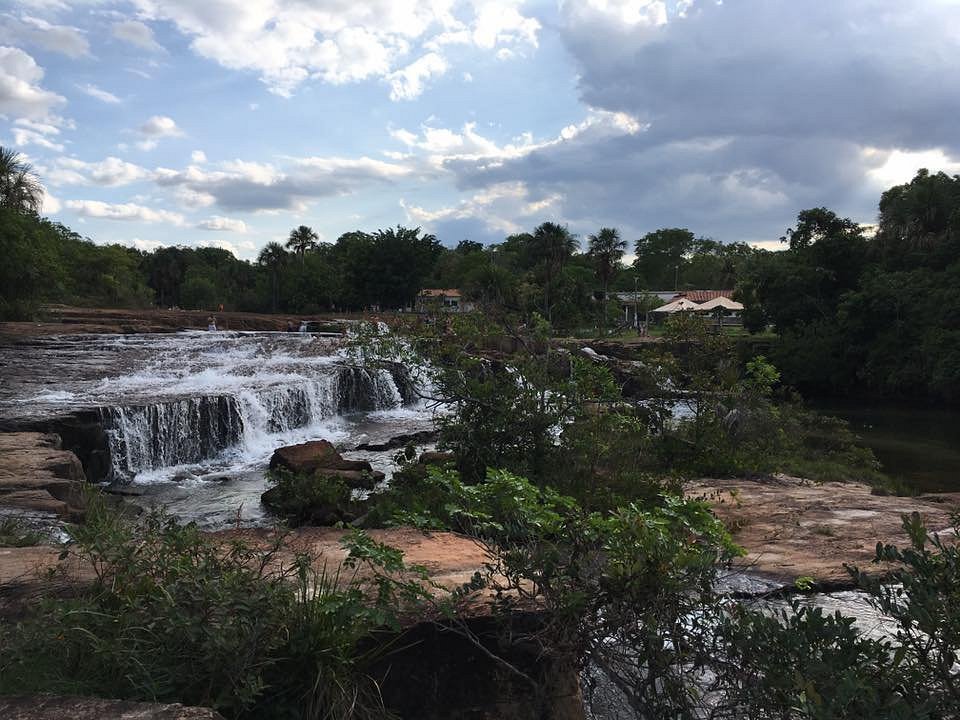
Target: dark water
(918, 445)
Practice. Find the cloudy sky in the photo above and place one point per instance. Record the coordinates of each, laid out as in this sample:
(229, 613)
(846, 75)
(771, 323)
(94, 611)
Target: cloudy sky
(227, 122)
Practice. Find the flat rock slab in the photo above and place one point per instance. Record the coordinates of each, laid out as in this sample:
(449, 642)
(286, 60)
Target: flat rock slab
(450, 559)
(794, 528)
(61, 707)
(36, 474)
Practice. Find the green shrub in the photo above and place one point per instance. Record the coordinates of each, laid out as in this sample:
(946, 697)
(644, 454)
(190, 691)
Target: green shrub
(176, 616)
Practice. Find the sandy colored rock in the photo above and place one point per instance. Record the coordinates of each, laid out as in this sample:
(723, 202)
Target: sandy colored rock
(59, 707)
(315, 455)
(35, 474)
(795, 528)
(435, 457)
(66, 320)
(450, 559)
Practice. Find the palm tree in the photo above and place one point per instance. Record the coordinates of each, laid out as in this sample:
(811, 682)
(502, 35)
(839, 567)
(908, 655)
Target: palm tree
(302, 239)
(273, 257)
(606, 248)
(553, 244)
(20, 188)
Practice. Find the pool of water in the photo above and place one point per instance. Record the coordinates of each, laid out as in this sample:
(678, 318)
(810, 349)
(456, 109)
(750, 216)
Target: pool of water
(919, 445)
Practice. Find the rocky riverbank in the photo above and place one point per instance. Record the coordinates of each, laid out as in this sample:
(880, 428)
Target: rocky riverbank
(794, 528)
(66, 320)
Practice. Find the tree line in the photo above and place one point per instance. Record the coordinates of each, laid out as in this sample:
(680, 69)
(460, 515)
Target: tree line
(853, 311)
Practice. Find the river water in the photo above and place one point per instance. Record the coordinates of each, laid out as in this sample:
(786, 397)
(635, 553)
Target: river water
(918, 445)
(193, 418)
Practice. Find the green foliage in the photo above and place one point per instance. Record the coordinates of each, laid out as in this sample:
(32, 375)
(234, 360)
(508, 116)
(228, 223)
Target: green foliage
(174, 615)
(16, 533)
(923, 599)
(310, 498)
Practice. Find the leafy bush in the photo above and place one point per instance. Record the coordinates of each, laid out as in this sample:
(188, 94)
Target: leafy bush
(173, 615)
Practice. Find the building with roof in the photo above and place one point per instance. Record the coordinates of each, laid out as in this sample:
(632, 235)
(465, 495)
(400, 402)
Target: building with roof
(446, 300)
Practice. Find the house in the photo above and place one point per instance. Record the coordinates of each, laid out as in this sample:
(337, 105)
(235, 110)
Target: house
(634, 304)
(449, 300)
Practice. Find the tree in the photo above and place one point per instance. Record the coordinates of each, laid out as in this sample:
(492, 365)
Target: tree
(661, 254)
(20, 187)
(302, 239)
(552, 246)
(606, 248)
(273, 257)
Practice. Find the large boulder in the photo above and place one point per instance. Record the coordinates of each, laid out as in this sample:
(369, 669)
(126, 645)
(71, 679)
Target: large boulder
(37, 475)
(315, 455)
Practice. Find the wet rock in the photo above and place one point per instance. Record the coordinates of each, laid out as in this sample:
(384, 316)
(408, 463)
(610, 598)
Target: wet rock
(315, 455)
(57, 707)
(398, 441)
(436, 458)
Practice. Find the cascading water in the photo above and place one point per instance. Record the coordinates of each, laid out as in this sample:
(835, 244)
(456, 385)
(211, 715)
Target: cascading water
(194, 407)
(177, 432)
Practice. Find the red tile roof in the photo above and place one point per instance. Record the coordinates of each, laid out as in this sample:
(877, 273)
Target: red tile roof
(701, 296)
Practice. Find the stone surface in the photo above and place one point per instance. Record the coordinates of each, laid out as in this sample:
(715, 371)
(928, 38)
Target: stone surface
(35, 474)
(796, 528)
(63, 320)
(63, 707)
(450, 559)
(315, 455)
(436, 458)
(398, 441)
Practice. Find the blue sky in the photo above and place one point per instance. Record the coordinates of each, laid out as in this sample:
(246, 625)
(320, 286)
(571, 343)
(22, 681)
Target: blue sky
(228, 122)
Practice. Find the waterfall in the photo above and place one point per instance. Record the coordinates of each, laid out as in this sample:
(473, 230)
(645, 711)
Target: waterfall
(189, 430)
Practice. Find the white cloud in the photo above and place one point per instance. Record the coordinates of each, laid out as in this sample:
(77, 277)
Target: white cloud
(156, 128)
(899, 166)
(287, 42)
(499, 209)
(147, 245)
(29, 30)
(409, 82)
(244, 248)
(218, 222)
(109, 172)
(51, 204)
(136, 33)
(253, 186)
(198, 156)
(123, 211)
(30, 132)
(161, 126)
(100, 94)
(20, 91)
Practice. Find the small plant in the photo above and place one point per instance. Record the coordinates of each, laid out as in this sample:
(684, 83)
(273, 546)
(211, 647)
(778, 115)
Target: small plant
(14, 532)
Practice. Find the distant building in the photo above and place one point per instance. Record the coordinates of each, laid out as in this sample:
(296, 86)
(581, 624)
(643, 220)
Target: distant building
(639, 303)
(448, 300)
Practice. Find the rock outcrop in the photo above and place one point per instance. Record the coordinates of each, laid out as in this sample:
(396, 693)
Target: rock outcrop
(794, 528)
(36, 475)
(58, 707)
(318, 455)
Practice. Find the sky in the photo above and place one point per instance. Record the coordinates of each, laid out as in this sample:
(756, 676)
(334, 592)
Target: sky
(229, 122)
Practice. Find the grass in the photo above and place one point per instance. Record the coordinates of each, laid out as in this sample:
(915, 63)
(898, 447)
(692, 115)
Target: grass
(14, 532)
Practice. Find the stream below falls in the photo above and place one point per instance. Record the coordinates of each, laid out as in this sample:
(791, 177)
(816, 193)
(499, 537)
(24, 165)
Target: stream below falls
(192, 418)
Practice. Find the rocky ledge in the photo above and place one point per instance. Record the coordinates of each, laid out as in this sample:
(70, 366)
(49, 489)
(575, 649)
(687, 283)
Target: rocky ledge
(37, 476)
(57, 707)
(794, 528)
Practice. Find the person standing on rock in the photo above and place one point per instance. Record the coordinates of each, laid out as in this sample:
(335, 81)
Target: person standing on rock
(211, 324)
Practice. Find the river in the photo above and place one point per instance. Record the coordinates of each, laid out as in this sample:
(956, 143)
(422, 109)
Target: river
(192, 418)
(917, 445)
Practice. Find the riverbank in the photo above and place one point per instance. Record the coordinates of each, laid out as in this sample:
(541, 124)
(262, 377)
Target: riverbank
(793, 528)
(67, 320)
